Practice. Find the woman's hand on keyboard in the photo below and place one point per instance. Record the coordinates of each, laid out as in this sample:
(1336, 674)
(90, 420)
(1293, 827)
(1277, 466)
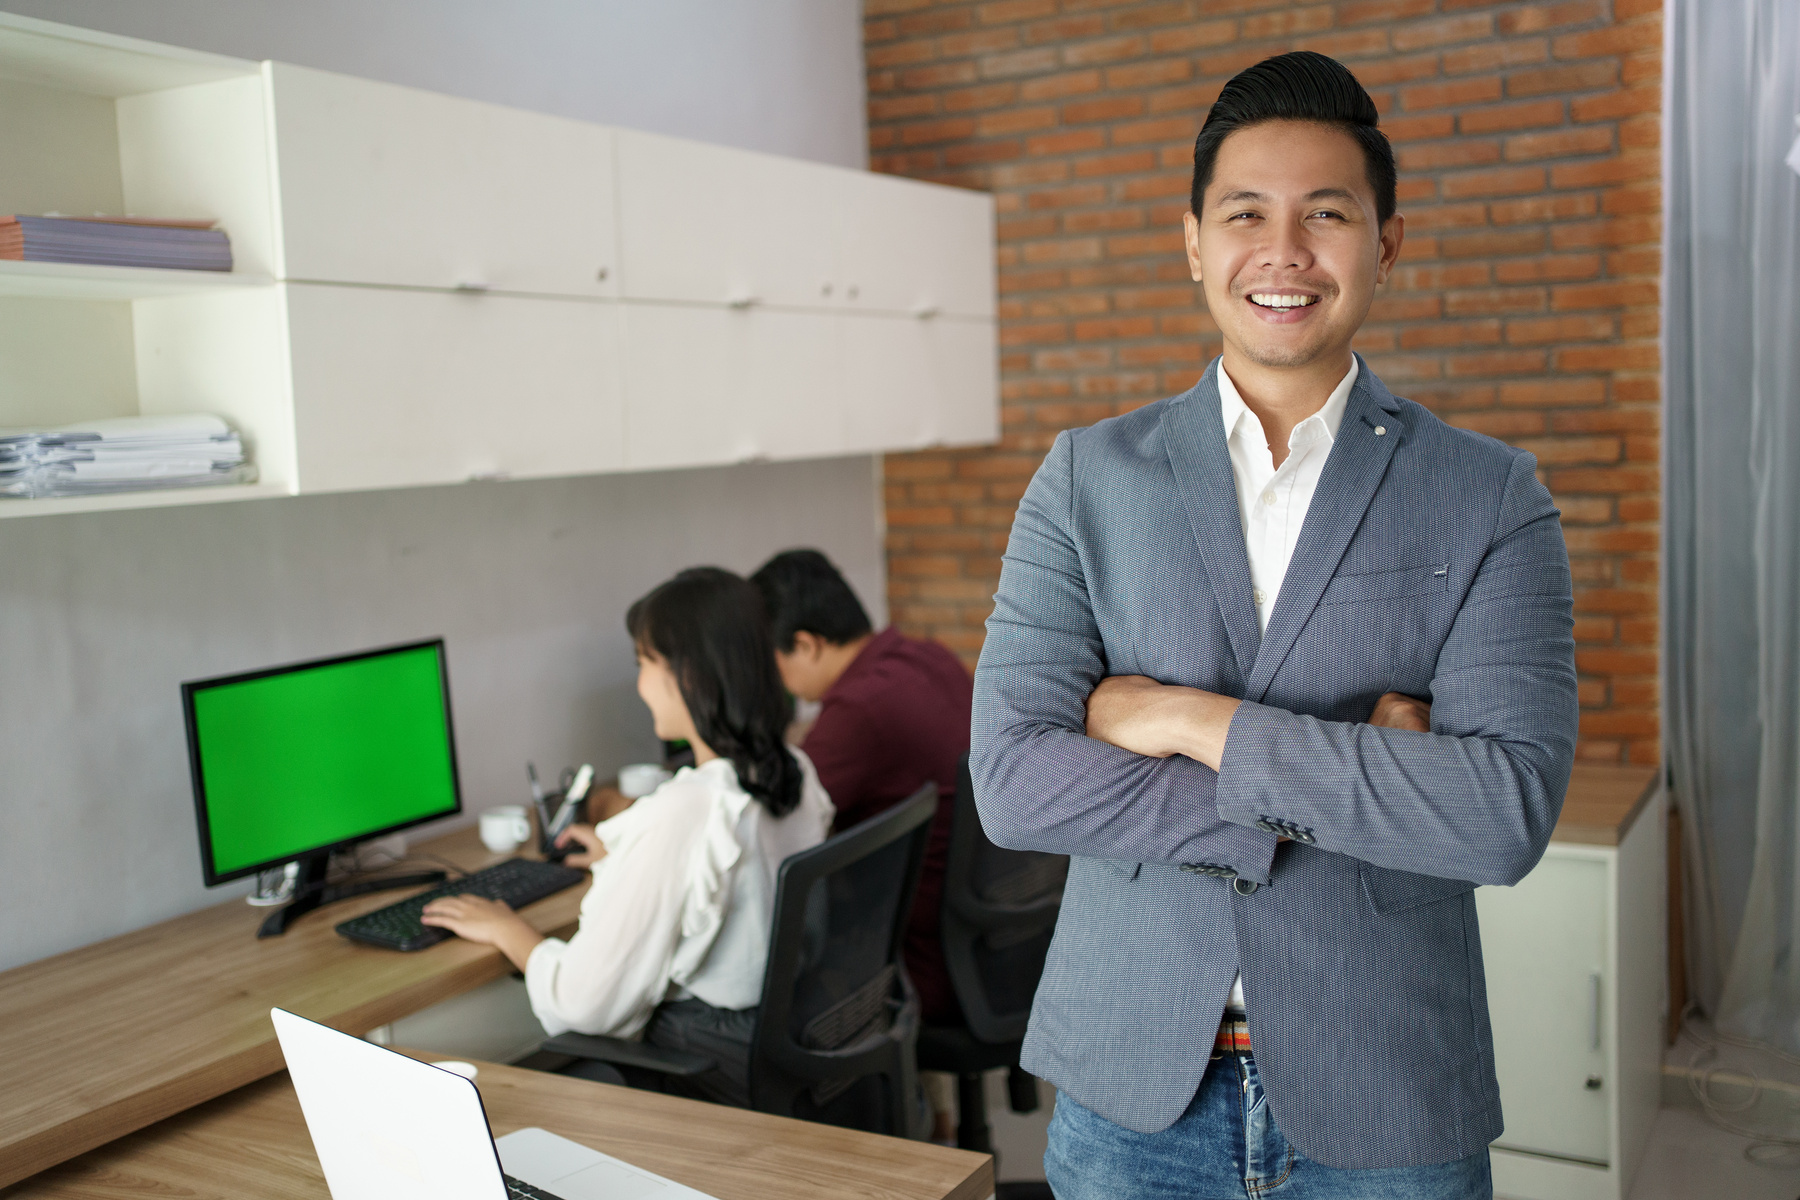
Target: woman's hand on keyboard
(490, 922)
(592, 848)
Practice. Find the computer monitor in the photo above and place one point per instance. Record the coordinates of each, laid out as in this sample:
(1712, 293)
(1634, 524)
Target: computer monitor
(291, 763)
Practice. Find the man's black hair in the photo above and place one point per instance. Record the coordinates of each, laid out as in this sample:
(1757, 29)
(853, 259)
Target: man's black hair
(802, 591)
(1301, 86)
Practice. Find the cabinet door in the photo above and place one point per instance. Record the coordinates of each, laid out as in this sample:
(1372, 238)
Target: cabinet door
(709, 385)
(910, 247)
(712, 225)
(400, 388)
(911, 382)
(1544, 943)
(391, 185)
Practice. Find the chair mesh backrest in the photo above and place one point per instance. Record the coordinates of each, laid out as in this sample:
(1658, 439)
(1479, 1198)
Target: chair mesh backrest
(1011, 960)
(834, 987)
(998, 920)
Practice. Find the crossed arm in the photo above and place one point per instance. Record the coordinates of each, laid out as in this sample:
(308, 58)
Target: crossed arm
(1071, 761)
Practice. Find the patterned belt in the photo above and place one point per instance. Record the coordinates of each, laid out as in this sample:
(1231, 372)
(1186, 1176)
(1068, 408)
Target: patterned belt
(1234, 1037)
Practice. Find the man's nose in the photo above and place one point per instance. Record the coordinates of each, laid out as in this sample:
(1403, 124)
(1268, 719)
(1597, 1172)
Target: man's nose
(1286, 249)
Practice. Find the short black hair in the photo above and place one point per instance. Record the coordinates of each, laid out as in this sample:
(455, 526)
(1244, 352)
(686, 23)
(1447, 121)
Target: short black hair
(801, 590)
(1301, 86)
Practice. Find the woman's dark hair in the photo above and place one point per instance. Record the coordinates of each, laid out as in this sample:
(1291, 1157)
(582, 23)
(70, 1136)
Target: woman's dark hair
(1301, 86)
(708, 625)
(802, 591)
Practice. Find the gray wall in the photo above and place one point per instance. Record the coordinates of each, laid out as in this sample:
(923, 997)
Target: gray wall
(102, 615)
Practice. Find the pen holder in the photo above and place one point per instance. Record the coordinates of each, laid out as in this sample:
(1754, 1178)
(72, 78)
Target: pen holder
(547, 809)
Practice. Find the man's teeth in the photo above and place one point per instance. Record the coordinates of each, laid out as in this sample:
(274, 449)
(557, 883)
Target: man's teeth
(1281, 300)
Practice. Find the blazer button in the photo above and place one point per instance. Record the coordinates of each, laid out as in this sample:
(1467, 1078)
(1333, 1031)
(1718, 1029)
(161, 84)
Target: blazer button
(1242, 886)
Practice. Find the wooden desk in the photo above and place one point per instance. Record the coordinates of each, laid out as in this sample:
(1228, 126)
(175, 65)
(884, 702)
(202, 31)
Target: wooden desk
(1603, 802)
(253, 1142)
(112, 1037)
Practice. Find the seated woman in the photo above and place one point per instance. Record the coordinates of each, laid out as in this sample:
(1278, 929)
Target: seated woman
(675, 929)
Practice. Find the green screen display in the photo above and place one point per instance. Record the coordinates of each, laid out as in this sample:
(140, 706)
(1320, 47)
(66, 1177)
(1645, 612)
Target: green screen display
(311, 757)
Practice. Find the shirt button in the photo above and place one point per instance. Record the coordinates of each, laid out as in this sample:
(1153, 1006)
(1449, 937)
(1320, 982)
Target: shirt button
(1242, 886)
(1258, 595)
(1268, 497)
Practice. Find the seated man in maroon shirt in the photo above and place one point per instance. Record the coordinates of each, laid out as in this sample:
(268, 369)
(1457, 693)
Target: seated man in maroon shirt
(894, 712)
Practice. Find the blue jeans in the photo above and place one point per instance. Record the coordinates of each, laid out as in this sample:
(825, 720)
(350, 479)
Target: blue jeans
(1226, 1147)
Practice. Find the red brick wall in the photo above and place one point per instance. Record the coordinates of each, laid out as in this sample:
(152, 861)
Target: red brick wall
(1525, 304)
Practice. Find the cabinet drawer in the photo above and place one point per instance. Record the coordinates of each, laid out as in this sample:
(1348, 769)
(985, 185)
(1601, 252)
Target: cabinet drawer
(708, 385)
(396, 388)
(389, 185)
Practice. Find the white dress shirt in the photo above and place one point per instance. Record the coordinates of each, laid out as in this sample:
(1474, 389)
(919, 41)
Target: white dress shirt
(1272, 502)
(682, 904)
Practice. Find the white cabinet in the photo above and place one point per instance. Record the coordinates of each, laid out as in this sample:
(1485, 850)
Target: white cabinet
(918, 382)
(710, 385)
(401, 388)
(390, 185)
(1575, 984)
(714, 225)
(428, 289)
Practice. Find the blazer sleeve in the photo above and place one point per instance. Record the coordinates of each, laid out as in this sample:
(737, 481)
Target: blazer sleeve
(1476, 798)
(1040, 782)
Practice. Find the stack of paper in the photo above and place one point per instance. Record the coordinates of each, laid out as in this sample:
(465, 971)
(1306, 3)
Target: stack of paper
(116, 242)
(123, 454)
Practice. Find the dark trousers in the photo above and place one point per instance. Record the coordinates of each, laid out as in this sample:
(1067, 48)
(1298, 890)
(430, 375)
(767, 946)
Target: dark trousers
(721, 1034)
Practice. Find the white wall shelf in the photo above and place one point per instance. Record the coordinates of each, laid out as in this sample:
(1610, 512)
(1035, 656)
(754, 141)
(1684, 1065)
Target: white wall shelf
(430, 290)
(80, 281)
(156, 498)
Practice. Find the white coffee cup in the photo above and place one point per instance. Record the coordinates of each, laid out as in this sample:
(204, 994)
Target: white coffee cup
(640, 779)
(505, 828)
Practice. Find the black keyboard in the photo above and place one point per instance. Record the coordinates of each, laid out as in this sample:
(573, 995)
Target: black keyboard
(518, 881)
(518, 1189)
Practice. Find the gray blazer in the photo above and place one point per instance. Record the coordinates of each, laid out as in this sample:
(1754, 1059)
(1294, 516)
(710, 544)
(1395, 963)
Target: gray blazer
(1431, 562)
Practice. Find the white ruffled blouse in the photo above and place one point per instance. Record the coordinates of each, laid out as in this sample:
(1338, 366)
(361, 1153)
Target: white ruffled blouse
(682, 904)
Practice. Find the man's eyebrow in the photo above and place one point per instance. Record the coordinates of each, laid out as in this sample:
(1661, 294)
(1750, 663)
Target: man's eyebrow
(1245, 195)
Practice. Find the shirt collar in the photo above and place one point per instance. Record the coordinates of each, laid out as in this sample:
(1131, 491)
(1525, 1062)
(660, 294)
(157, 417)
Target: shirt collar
(1233, 410)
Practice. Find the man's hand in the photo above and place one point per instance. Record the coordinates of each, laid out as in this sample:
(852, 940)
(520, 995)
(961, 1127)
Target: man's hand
(1157, 720)
(1396, 711)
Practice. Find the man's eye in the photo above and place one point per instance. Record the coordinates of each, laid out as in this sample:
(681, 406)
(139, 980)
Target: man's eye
(1325, 212)
(1240, 216)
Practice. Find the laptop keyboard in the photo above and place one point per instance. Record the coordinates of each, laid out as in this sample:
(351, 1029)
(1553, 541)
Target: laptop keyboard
(518, 881)
(518, 1189)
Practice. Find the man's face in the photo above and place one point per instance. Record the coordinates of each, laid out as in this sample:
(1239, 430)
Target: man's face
(1288, 245)
(803, 671)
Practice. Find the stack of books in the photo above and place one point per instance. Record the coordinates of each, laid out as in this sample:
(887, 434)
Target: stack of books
(122, 454)
(116, 242)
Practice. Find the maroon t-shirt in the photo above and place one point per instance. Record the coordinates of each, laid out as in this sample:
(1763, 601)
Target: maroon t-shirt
(896, 717)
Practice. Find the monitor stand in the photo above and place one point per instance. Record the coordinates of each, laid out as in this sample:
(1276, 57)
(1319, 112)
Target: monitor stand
(310, 891)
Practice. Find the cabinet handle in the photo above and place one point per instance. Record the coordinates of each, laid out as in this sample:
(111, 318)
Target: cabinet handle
(1594, 1011)
(926, 311)
(471, 286)
(743, 301)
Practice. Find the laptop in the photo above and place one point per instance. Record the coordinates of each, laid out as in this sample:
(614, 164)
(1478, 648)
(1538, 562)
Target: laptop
(388, 1127)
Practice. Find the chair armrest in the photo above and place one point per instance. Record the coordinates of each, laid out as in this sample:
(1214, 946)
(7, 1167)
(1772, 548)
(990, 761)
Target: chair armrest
(620, 1052)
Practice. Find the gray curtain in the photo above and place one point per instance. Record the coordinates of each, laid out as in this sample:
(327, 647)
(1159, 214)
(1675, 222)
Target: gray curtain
(1731, 541)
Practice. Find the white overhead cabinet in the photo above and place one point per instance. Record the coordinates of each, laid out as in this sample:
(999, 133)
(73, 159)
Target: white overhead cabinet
(429, 289)
(388, 185)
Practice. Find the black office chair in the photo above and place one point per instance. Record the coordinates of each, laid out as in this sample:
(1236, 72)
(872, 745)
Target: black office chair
(835, 1034)
(999, 912)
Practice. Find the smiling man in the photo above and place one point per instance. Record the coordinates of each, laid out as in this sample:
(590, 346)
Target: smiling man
(1286, 665)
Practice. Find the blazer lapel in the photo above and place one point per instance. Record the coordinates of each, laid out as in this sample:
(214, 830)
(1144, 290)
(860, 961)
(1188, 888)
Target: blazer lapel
(1194, 435)
(1359, 459)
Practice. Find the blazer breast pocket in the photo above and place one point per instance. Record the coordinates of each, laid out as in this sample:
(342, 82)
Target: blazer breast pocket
(1398, 584)
(1391, 891)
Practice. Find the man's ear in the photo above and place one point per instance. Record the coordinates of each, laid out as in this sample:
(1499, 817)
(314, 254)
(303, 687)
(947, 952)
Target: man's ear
(1190, 233)
(808, 646)
(1393, 232)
